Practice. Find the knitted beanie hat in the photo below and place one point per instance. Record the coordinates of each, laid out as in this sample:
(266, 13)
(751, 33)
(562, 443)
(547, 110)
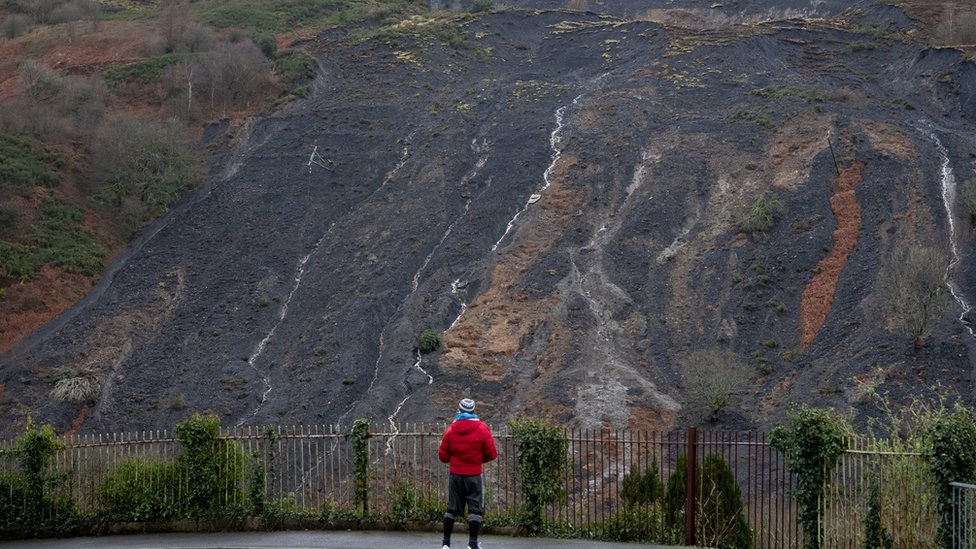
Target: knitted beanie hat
(466, 406)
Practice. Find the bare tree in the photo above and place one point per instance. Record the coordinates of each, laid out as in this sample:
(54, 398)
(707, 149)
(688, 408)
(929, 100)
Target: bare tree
(93, 10)
(714, 379)
(178, 80)
(233, 74)
(15, 25)
(84, 99)
(68, 14)
(142, 167)
(173, 24)
(958, 25)
(913, 283)
(40, 10)
(40, 82)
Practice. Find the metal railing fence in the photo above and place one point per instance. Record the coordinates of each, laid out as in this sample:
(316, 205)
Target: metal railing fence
(963, 515)
(307, 471)
(903, 492)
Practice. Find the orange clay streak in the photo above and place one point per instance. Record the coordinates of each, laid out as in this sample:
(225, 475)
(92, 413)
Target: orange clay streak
(818, 296)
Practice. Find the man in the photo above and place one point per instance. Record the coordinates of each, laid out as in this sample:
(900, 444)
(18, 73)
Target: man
(467, 443)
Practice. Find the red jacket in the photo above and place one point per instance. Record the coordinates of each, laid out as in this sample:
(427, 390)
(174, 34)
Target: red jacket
(466, 444)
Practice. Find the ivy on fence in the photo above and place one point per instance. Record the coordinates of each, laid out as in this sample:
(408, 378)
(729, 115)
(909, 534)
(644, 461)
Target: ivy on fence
(952, 458)
(360, 467)
(27, 501)
(812, 441)
(214, 467)
(540, 449)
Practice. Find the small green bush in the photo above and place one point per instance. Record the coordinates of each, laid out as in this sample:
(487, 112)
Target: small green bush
(413, 504)
(294, 67)
(638, 524)
(426, 30)
(860, 45)
(789, 91)
(760, 216)
(141, 490)
(8, 219)
(482, 6)
(758, 117)
(360, 472)
(674, 494)
(720, 520)
(267, 42)
(428, 341)
(29, 503)
(641, 489)
(874, 31)
(875, 535)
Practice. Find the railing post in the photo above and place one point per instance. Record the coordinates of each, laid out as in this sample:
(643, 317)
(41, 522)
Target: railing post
(691, 484)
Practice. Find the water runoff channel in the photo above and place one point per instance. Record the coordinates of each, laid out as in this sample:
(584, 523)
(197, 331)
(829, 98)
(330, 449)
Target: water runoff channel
(949, 189)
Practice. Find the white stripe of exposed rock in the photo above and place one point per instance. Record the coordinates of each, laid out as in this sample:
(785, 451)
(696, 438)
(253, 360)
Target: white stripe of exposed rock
(475, 170)
(554, 139)
(299, 273)
(282, 313)
(603, 297)
(482, 149)
(948, 184)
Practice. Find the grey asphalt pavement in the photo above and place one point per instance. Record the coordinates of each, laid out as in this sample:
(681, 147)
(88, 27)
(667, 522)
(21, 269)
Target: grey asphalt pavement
(308, 540)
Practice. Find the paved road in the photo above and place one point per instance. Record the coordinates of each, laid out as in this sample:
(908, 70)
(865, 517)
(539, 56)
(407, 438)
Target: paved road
(308, 540)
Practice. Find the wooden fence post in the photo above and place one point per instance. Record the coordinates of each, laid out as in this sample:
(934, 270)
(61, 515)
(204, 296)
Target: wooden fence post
(691, 484)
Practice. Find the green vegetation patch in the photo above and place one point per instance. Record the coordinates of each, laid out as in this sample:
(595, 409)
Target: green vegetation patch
(860, 45)
(145, 71)
(129, 10)
(57, 238)
(24, 166)
(874, 31)
(294, 66)
(423, 29)
(287, 15)
(140, 167)
(428, 341)
(761, 215)
(758, 117)
(790, 91)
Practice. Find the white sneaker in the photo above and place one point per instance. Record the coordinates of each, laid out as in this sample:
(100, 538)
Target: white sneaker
(445, 547)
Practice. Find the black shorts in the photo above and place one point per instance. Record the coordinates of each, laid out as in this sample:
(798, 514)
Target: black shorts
(465, 490)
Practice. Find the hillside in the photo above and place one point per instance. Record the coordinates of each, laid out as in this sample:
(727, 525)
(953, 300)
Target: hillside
(630, 213)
